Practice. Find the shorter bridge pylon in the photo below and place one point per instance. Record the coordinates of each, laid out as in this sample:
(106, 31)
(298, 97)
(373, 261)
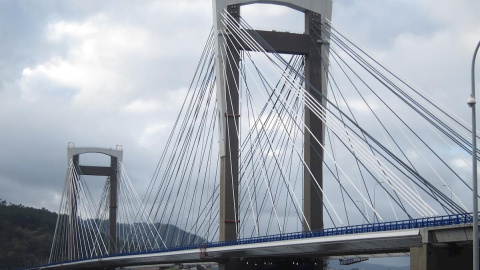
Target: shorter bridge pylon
(112, 172)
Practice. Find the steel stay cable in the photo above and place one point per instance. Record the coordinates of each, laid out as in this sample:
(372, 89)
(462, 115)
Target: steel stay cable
(254, 45)
(325, 64)
(452, 137)
(333, 105)
(276, 121)
(77, 185)
(455, 151)
(182, 152)
(208, 45)
(132, 201)
(228, 49)
(207, 153)
(268, 128)
(59, 221)
(235, 203)
(414, 172)
(363, 135)
(226, 20)
(212, 122)
(325, 208)
(267, 183)
(429, 99)
(387, 81)
(137, 235)
(185, 148)
(384, 128)
(193, 156)
(185, 120)
(78, 217)
(280, 142)
(260, 49)
(388, 152)
(326, 99)
(401, 187)
(270, 162)
(290, 189)
(80, 180)
(332, 79)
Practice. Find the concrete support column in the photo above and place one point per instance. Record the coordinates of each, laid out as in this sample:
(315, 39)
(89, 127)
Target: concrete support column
(112, 218)
(449, 256)
(229, 218)
(72, 232)
(313, 152)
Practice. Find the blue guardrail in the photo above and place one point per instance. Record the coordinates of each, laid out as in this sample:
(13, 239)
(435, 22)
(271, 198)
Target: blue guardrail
(365, 228)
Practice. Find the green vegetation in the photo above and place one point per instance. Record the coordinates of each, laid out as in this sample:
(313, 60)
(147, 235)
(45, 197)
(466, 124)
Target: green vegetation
(26, 235)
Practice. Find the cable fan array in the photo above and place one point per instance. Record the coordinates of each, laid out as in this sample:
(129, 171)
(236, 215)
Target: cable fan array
(385, 141)
(388, 150)
(82, 225)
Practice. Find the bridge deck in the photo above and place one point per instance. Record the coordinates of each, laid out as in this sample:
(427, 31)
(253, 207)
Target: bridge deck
(388, 237)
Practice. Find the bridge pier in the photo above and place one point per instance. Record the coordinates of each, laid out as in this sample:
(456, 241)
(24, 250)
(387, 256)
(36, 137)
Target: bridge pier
(449, 256)
(448, 247)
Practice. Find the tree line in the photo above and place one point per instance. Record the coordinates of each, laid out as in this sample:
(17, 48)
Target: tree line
(26, 235)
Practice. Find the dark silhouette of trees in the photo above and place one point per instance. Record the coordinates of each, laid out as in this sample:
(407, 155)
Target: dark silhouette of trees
(26, 235)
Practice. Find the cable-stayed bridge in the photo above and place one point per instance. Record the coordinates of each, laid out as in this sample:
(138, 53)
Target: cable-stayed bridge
(289, 148)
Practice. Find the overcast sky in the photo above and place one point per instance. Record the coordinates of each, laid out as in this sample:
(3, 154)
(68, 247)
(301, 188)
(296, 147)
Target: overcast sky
(107, 73)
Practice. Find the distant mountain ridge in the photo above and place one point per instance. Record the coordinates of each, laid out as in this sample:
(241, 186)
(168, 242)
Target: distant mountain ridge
(26, 235)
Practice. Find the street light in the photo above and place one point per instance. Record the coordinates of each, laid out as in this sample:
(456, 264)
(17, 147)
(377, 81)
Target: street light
(374, 199)
(471, 103)
(450, 190)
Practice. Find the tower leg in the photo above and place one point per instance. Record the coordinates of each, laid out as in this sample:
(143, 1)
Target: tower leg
(451, 256)
(313, 152)
(72, 239)
(229, 219)
(112, 218)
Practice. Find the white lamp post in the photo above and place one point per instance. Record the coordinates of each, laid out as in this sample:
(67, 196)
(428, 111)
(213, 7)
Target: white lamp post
(471, 102)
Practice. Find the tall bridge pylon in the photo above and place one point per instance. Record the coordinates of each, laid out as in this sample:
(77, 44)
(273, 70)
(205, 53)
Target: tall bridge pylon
(228, 105)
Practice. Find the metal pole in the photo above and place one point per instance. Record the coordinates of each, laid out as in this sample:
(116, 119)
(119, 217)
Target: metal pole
(471, 103)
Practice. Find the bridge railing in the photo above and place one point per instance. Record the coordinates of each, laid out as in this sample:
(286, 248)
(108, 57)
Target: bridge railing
(455, 219)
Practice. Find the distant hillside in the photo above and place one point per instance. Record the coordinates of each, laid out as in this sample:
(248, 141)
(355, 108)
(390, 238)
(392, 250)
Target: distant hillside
(26, 235)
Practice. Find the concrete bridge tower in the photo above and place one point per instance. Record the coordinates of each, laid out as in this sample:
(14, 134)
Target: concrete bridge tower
(112, 172)
(229, 113)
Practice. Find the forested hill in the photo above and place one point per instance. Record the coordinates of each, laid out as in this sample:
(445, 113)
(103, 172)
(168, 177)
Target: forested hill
(26, 235)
